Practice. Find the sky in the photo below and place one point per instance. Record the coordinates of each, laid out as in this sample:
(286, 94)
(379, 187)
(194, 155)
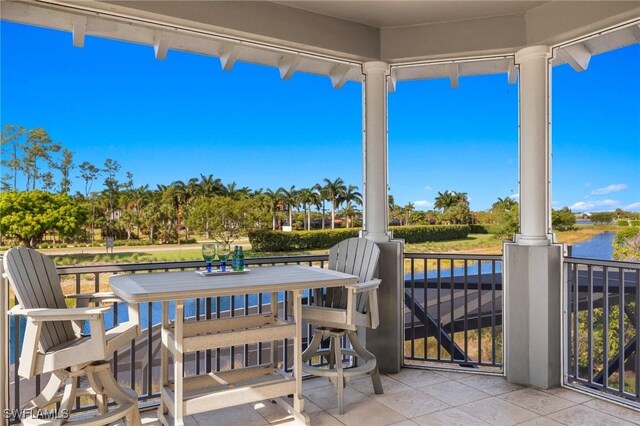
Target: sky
(174, 119)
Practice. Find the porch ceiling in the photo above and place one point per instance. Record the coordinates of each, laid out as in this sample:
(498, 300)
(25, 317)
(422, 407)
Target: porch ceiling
(334, 38)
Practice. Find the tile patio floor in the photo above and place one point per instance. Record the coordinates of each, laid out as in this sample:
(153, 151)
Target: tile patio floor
(423, 397)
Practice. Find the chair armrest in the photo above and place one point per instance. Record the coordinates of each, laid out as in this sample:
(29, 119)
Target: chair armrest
(365, 286)
(60, 314)
(101, 297)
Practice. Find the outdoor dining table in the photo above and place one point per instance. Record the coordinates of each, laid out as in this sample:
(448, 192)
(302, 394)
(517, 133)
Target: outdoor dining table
(195, 394)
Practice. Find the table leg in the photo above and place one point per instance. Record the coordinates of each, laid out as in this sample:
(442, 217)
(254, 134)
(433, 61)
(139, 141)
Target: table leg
(298, 399)
(178, 367)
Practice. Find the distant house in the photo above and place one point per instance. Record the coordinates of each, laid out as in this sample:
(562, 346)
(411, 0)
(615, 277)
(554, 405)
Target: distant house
(583, 215)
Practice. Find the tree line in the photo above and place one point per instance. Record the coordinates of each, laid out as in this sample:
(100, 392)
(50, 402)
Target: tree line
(167, 213)
(111, 204)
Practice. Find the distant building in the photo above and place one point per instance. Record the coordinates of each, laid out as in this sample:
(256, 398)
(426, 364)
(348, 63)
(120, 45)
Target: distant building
(583, 215)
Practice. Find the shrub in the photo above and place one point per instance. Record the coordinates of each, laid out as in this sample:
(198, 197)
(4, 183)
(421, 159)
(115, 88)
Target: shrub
(626, 245)
(265, 241)
(423, 233)
(602, 218)
(485, 229)
(299, 240)
(563, 219)
(634, 222)
(623, 223)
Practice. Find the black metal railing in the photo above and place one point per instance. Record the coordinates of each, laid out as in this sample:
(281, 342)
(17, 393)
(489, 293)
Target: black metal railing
(138, 366)
(602, 313)
(453, 317)
(453, 310)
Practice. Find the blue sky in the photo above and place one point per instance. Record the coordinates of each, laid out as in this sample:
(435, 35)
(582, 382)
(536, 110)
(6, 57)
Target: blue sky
(178, 118)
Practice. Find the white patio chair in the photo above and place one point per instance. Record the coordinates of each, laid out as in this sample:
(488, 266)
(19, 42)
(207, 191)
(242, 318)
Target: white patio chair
(338, 312)
(54, 343)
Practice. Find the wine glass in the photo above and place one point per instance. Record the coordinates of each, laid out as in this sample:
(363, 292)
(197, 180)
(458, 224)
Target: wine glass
(224, 251)
(209, 254)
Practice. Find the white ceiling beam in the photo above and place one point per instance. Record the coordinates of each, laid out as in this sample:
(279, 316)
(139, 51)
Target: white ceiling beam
(229, 56)
(512, 73)
(393, 80)
(454, 75)
(161, 47)
(287, 65)
(578, 56)
(338, 75)
(79, 30)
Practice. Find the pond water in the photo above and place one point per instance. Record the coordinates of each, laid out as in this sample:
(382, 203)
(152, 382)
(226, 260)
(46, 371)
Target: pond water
(598, 247)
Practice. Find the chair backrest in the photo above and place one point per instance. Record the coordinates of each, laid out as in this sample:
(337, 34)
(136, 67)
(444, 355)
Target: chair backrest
(36, 284)
(355, 256)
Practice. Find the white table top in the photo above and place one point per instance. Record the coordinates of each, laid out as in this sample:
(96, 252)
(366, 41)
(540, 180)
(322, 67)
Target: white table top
(164, 286)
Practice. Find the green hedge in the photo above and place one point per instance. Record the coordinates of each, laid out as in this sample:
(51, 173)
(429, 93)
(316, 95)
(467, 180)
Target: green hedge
(485, 229)
(267, 241)
(424, 233)
(298, 240)
(623, 223)
(635, 222)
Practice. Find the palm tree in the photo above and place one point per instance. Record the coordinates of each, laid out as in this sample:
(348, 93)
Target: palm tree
(321, 197)
(334, 190)
(504, 205)
(351, 196)
(445, 200)
(210, 186)
(274, 198)
(290, 200)
(408, 209)
(306, 197)
(179, 196)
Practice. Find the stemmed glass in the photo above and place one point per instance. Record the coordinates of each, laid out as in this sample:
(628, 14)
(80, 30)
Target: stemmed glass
(224, 251)
(209, 254)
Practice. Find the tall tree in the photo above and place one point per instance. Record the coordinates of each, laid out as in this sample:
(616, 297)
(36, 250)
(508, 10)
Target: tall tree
(502, 205)
(10, 138)
(65, 166)
(307, 197)
(180, 197)
(274, 198)
(321, 197)
(351, 197)
(89, 173)
(445, 200)
(334, 190)
(290, 200)
(408, 209)
(112, 189)
(38, 146)
(210, 186)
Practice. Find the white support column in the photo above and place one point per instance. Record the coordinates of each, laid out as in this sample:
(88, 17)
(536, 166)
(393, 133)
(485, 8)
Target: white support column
(532, 268)
(535, 194)
(387, 341)
(375, 222)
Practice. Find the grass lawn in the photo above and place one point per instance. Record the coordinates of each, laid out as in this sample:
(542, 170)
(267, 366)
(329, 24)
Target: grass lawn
(474, 243)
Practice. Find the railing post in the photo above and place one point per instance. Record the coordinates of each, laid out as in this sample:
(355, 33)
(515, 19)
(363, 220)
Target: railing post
(4, 345)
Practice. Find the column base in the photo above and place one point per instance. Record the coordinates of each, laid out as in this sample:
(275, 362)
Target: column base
(376, 237)
(533, 321)
(387, 341)
(534, 240)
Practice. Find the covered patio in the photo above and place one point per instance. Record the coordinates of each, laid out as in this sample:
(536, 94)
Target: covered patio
(381, 44)
(430, 398)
